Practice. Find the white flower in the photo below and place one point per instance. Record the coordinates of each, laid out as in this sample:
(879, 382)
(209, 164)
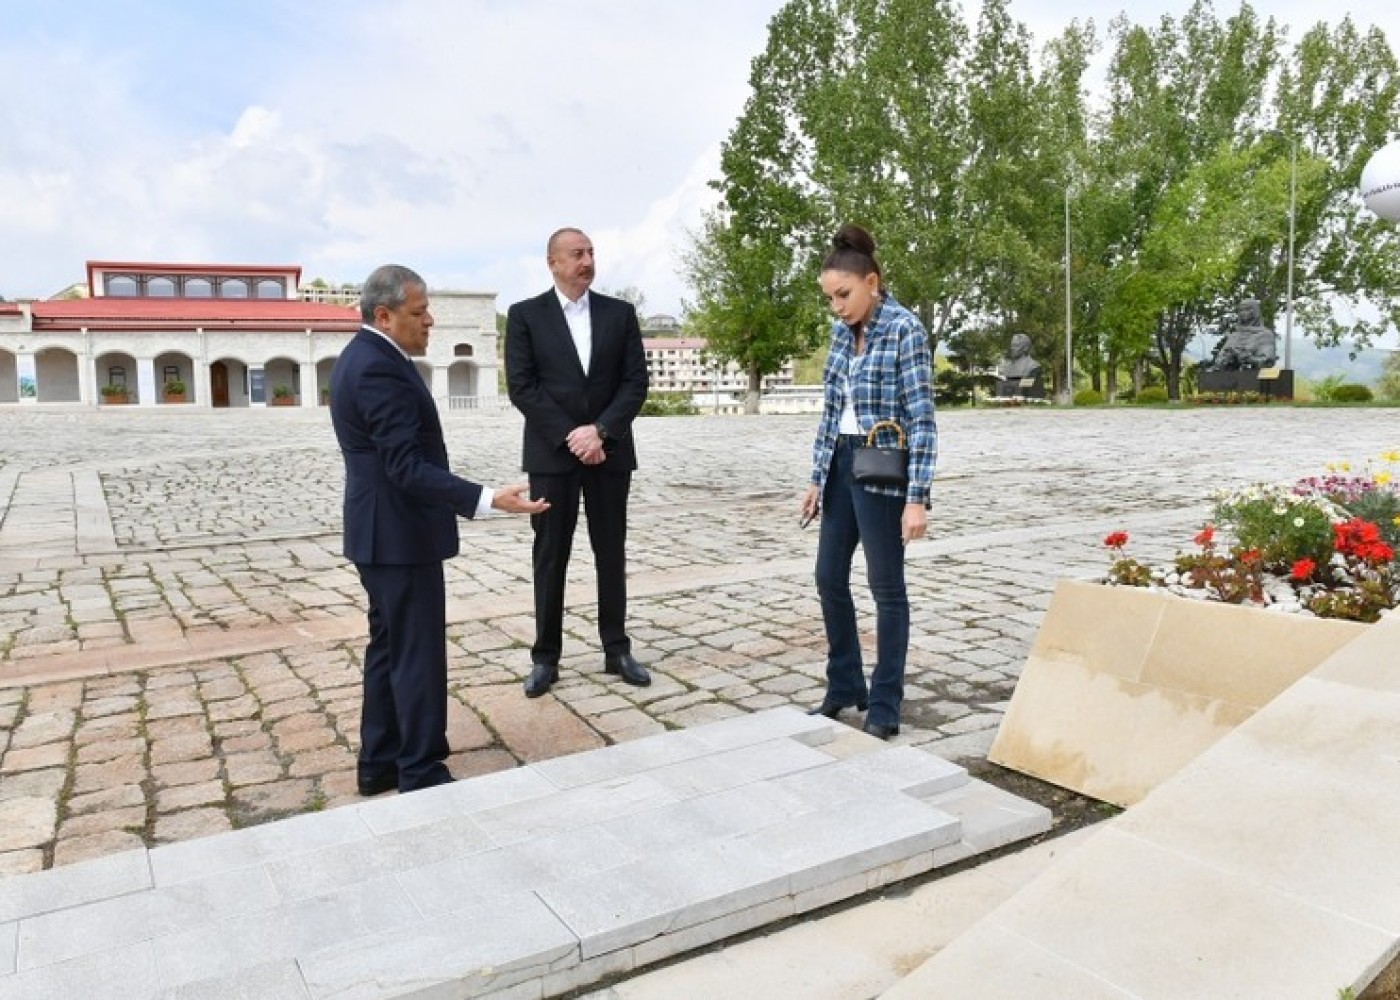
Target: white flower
(1297, 522)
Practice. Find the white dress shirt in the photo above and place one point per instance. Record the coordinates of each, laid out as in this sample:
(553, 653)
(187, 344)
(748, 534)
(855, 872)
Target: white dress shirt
(576, 314)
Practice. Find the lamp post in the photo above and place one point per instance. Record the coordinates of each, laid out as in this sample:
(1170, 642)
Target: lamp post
(1069, 315)
(1292, 215)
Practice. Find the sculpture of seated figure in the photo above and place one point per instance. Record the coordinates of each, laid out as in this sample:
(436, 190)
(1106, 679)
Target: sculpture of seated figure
(1018, 362)
(1249, 345)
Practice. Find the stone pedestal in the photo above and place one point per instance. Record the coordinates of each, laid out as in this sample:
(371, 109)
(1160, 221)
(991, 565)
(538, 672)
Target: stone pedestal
(1025, 388)
(1272, 383)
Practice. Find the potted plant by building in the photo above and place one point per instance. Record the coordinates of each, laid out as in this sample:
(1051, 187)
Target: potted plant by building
(326, 396)
(113, 393)
(282, 396)
(173, 391)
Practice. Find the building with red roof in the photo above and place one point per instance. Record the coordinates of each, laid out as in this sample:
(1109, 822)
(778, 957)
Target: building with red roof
(230, 335)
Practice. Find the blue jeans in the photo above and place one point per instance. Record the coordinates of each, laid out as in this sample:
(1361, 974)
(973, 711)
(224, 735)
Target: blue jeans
(853, 516)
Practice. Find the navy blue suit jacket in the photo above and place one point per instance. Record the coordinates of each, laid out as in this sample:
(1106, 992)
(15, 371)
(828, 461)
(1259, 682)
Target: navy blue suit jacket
(548, 385)
(401, 502)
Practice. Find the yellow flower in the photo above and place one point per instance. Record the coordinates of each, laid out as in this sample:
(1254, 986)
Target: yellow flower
(1390, 456)
(1344, 466)
(1382, 478)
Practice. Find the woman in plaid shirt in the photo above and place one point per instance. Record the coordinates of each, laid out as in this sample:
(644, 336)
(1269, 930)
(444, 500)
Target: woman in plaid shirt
(879, 368)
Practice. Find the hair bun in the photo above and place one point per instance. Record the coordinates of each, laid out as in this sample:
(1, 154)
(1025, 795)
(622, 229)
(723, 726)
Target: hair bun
(853, 237)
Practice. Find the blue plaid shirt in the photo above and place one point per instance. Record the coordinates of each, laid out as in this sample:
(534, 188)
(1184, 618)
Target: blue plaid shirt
(894, 382)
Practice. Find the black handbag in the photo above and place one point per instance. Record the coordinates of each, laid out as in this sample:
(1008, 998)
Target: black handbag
(881, 466)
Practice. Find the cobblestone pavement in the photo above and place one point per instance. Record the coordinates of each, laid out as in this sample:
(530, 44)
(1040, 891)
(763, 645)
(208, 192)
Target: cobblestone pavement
(180, 638)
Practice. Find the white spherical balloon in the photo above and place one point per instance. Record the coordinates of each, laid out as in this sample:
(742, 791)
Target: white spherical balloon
(1380, 182)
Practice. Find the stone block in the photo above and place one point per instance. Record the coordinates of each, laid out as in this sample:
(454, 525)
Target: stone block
(59, 935)
(376, 909)
(75, 884)
(255, 845)
(471, 952)
(334, 866)
(573, 808)
(1124, 685)
(660, 894)
(832, 844)
(128, 973)
(621, 760)
(489, 791)
(271, 981)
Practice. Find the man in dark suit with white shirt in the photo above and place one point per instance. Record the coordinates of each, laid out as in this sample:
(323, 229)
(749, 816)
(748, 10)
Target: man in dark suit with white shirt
(576, 369)
(401, 510)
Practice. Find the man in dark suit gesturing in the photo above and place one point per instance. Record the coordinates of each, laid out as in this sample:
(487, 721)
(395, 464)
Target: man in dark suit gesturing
(401, 509)
(576, 369)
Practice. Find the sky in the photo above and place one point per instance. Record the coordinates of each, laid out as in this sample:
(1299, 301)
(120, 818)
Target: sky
(452, 136)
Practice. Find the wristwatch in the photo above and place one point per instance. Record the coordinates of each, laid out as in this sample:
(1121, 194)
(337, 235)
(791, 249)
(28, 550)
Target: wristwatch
(602, 431)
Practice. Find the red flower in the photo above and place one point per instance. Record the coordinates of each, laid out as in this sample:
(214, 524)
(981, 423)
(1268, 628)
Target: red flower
(1360, 539)
(1249, 556)
(1116, 540)
(1303, 570)
(1207, 536)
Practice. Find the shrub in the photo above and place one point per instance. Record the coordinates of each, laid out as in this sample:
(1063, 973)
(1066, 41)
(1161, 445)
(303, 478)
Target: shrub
(1152, 394)
(1349, 392)
(669, 404)
(175, 387)
(1088, 397)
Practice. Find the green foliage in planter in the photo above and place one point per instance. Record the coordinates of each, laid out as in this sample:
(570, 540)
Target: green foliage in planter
(281, 392)
(113, 390)
(1088, 397)
(1351, 393)
(1280, 525)
(1152, 394)
(669, 404)
(174, 387)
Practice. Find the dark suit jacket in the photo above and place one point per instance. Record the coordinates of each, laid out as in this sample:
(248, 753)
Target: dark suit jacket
(401, 502)
(549, 386)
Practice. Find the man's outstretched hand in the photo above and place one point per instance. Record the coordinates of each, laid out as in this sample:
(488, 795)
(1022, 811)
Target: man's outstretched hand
(516, 500)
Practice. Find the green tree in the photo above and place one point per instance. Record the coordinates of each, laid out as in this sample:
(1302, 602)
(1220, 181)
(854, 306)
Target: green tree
(1338, 98)
(1388, 385)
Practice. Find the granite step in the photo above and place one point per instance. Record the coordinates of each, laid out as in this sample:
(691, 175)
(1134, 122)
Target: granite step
(524, 883)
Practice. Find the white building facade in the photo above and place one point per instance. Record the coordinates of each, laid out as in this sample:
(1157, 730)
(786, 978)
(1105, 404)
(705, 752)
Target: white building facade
(230, 335)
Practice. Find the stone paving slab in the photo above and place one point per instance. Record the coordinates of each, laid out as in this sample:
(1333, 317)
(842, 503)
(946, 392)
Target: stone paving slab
(501, 880)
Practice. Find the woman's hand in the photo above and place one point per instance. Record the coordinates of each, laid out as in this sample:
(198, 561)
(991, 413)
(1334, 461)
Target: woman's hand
(913, 523)
(811, 504)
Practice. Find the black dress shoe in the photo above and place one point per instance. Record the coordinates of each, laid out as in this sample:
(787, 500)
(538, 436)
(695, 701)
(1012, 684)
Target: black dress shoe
(377, 784)
(542, 677)
(831, 709)
(881, 732)
(630, 670)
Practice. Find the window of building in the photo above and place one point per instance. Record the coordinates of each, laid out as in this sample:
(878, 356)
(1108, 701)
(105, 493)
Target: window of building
(233, 288)
(121, 284)
(462, 351)
(270, 288)
(199, 288)
(116, 375)
(160, 287)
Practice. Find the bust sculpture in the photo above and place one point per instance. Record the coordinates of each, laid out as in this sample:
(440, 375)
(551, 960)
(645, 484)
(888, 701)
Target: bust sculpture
(1249, 345)
(1018, 362)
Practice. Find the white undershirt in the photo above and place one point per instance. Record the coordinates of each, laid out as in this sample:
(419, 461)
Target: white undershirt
(576, 314)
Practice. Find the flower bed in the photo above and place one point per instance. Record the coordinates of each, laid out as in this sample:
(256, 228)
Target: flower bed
(1324, 545)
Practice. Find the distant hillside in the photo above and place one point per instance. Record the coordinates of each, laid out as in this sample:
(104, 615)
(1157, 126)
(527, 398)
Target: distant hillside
(1313, 363)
